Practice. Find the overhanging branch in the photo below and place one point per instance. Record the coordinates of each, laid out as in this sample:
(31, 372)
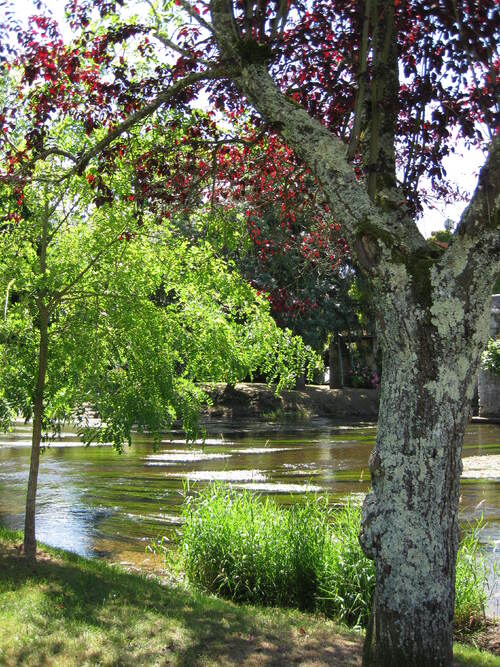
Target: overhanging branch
(364, 221)
(136, 117)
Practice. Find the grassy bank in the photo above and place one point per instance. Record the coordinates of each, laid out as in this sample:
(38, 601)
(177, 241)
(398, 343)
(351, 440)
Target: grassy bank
(71, 611)
(307, 556)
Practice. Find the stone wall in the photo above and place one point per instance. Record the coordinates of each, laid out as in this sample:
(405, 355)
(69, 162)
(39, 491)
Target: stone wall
(489, 383)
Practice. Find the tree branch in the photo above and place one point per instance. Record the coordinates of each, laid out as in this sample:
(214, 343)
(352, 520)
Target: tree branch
(59, 296)
(326, 155)
(146, 111)
(482, 215)
(199, 19)
(367, 225)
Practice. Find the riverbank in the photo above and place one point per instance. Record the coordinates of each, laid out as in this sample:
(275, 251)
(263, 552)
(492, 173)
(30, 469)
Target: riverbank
(70, 610)
(247, 399)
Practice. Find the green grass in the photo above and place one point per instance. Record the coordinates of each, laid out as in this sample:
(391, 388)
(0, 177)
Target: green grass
(467, 655)
(75, 611)
(471, 582)
(70, 611)
(308, 556)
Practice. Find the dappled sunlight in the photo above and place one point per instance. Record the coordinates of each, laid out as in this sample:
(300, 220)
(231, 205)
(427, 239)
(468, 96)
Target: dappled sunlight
(83, 612)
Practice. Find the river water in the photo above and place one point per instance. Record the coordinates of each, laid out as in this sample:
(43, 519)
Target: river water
(96, 502)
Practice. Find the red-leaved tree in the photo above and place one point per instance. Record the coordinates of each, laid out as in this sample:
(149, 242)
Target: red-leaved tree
(371, 95)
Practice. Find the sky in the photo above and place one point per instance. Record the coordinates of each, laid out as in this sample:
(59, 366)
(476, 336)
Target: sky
(462, 168)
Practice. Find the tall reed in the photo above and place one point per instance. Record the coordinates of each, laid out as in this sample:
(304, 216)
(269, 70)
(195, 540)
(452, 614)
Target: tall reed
(251, 549)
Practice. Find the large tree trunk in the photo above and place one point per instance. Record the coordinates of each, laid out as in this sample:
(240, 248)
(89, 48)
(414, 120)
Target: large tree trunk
(432, 310)
(29, 519)
(410, 518)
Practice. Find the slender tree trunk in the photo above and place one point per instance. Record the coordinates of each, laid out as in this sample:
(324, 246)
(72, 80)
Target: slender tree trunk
(410, 518)
(38, 404)
(335, 359)
(29, 521)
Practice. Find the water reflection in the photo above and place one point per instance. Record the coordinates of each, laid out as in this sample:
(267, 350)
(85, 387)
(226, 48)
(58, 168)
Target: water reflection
(96, 502)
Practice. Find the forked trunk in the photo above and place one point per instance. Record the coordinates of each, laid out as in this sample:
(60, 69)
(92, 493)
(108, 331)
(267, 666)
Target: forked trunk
(38, 406)
(410, 518)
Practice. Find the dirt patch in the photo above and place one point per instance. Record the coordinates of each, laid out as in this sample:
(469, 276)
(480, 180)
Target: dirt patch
(256, 399)
(298, 647)
(489, 639)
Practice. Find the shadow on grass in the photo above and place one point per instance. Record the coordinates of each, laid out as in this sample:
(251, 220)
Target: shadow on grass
(143, 622)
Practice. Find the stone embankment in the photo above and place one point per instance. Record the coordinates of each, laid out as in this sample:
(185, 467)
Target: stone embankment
(259, 400)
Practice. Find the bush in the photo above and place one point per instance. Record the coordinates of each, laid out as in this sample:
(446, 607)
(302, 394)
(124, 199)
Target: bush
(251, 549)
(490, 359)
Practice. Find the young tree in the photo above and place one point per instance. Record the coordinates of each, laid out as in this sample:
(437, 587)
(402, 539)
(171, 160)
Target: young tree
(106, 312)
(371, 95)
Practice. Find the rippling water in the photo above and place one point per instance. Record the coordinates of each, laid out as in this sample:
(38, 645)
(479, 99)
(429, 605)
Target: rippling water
(96, 502)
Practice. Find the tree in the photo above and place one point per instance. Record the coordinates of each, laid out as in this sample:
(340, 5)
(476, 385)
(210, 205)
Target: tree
(268, 214)
(297, 255)
(370, 95)
(431, 306)
(106, 314)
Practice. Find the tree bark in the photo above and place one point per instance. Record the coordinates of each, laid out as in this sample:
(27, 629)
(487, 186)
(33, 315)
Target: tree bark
(38, 403)
(410, 518)
(29, 520)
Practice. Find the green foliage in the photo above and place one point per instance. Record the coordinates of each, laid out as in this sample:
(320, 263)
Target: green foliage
(138, 315)
(490, 360)
(308, 555)
(472, 575)
(253, 551)
(442, 235)
(346, 580)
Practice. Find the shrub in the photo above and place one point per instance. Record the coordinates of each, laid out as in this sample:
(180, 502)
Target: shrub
(490, 359)
(253, 551)
(250, 549)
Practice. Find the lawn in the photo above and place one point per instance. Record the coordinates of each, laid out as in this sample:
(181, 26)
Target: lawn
(74, 611)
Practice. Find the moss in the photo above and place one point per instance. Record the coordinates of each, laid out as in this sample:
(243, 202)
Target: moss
(253, 52)
(418, 263)
(419, 266)
(372, 231)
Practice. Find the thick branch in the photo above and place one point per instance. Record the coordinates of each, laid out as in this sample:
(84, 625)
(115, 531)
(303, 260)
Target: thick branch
(476, 248)
(364, 222)
(56, 151)
(482, 215)
(148, 110)
(362, 74)
(383, 102)
(225, 29)
(326, 155)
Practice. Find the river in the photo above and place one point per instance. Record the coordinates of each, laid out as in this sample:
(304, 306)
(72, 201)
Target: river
(96, 502)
